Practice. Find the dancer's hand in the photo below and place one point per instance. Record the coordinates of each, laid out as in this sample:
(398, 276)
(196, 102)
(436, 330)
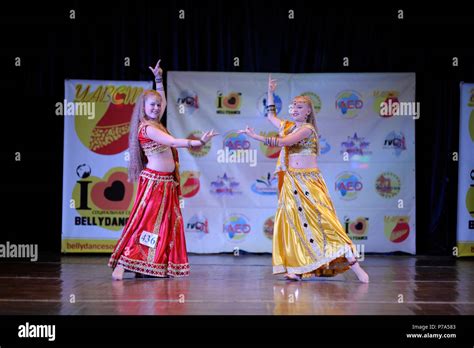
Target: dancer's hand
(208, 135)
(157, 70)
(272, 84)
(248, 131)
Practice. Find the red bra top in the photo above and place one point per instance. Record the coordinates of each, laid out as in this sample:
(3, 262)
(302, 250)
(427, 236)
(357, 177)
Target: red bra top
(149, 146)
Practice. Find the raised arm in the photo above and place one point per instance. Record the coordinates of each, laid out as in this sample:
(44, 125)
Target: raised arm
(166, 139)
(287, 140)
(158, 73)
(271, 109)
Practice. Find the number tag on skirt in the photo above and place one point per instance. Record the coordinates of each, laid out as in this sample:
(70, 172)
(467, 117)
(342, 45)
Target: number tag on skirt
(148, 239)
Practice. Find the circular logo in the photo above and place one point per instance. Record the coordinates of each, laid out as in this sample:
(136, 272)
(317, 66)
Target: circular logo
(471, 125)
(236, 141)
(387, 185)
(349, 103)
(188, 102)
(348, 185)
(385, 103)
(358, 227)
(236, 228)
(396, 228)
(198, 225)
(270, 151)
(470, 200)
(268, 227)
(198, 151)
(190, 183)
(83, 171)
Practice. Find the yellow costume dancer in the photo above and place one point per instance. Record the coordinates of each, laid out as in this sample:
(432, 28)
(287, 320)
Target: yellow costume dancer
(308, 238)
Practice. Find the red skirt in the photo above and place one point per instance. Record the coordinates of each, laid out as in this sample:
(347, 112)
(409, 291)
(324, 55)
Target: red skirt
(156, 211)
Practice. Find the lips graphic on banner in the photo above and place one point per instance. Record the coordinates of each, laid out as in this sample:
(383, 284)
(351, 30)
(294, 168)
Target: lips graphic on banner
(107, 132)
(190, 183)
(396, 228)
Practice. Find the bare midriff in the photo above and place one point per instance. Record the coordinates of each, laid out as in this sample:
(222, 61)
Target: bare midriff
(162, 162)
(302, 161)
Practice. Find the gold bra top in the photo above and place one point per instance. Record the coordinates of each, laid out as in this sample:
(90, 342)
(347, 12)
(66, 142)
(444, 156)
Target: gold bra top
(149, 146)
(308, 146)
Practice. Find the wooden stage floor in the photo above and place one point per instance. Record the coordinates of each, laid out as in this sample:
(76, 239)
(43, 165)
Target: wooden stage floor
(243, 285)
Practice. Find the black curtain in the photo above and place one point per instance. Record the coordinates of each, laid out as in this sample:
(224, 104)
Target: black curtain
(95, 44)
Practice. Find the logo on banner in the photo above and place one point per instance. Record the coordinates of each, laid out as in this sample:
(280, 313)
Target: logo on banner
(315, 99)
(470, 103)
(387, 185)
(269, 151)
(104, 202)
(395, 141)
(348, 185)
(236, 149)
(236, 141)
(324, 144)
(471, 125)
(187, 102)
(228, 104)
(225, 185)
(107, 133)
(198, 225)
(262, 104)
(396, 228)
(198, 151)
(190, 183)
(385, 102)
(356, 229)
(268, 227)
(470, 200)
(356, 147)
(349, 103)
(236, 228)
(266, 185)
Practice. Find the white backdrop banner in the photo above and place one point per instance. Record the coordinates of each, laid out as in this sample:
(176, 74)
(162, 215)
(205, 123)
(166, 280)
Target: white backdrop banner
(465, 224)
(367, 136)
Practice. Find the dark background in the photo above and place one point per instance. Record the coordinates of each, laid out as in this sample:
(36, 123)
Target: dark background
(53, 47)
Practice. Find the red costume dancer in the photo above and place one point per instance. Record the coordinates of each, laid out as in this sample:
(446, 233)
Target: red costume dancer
(153, 242)
(156, 212)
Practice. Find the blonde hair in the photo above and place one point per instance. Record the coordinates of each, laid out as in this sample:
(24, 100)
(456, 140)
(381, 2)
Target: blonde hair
(137, 156)
(312, 116)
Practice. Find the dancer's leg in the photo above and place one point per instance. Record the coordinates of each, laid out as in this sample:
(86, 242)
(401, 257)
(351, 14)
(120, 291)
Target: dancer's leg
(360, 273)
(118, 272)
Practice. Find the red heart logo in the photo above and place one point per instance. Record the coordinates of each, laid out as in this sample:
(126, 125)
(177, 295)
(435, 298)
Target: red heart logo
(113, 194)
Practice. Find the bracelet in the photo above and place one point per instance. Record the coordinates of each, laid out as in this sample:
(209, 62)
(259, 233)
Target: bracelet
(158, 79)
(271, 141)
(200, 140)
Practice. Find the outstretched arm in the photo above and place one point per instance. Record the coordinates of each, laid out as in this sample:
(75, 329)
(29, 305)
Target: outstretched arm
(287, 140)
(271, 114)
(158, 73)
(166, 139)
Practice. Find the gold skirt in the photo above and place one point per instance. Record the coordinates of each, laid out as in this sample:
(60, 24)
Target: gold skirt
(308, 238)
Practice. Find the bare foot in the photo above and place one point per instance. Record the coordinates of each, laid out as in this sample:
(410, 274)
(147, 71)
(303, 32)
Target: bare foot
(291, 276)
(360, 273)
(118, 273)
